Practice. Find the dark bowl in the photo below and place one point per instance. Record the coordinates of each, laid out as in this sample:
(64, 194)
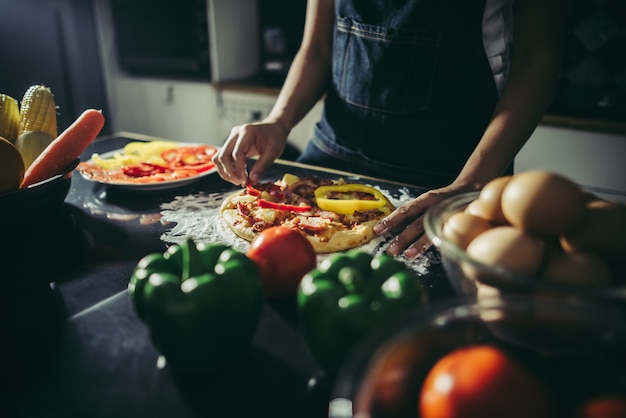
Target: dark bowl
(574, 349)
(40, 239)
(38, 198)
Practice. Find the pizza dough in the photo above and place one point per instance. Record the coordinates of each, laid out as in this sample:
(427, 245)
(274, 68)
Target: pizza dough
(327, 231)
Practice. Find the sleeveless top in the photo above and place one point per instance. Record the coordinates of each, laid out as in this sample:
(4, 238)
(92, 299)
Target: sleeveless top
(414, 85)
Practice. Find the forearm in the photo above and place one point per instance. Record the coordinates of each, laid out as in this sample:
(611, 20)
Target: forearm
(516, 116)
(305, 84)
(534, 69)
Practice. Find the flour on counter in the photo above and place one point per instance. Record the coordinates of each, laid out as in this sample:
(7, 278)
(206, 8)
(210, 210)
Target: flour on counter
(198, 216)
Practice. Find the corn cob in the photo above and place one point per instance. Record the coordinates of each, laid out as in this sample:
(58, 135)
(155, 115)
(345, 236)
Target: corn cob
(9, 118)
(32, 143)
(38, 111)
(38, 123)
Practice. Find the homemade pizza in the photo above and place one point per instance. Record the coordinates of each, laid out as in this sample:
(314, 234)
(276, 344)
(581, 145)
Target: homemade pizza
(334, 215)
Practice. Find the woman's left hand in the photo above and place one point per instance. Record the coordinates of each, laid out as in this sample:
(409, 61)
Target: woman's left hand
(408, 219)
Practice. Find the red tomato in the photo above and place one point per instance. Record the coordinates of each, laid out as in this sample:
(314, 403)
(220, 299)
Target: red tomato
(283, 256)
(482, 381)
(604, 407)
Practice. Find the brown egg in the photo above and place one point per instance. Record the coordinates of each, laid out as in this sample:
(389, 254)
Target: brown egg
(477, 208)
(603, 231)
(490, 197)
(543, 203)
(578, 268)
(508, 247)
(461, 228)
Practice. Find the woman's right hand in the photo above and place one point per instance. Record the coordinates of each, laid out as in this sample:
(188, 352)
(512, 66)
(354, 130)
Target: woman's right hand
(264, 139)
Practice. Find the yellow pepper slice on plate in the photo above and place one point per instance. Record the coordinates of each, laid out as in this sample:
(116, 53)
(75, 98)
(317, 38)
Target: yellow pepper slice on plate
(345, 199)
(135, 153)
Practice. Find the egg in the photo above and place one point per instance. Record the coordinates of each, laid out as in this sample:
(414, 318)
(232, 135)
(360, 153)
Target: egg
(543, 203)
(578, 268)
(603, 231)
(490, 197)
(477, 208)
(507, 247)
(461, 228)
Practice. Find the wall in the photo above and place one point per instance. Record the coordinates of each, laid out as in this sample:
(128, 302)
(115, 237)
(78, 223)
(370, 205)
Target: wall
(596, 160)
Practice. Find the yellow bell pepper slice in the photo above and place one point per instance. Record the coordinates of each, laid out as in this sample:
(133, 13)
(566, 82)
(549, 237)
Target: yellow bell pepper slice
(135, 153)
(345, 199)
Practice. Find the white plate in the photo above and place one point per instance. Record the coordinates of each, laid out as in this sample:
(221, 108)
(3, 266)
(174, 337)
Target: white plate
(157, 185)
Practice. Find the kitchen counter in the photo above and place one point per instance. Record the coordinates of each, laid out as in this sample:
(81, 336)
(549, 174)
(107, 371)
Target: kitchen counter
(80, 351)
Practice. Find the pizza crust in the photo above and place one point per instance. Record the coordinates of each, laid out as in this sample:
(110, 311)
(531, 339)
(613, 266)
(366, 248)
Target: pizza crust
(236, 224)
(347, 239)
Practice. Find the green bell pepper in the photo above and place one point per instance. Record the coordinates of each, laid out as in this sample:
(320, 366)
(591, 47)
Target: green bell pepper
(349, 294)
(200, 302)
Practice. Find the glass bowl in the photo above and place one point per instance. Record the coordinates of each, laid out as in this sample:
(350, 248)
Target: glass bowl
(573, 349)
(469, 277)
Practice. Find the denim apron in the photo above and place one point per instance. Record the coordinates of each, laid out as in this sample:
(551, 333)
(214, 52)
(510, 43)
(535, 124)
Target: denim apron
(412, 90)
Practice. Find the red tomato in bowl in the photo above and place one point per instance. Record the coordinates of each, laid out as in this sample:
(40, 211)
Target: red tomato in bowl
(283, 256)
(609, 406)
(482, 381)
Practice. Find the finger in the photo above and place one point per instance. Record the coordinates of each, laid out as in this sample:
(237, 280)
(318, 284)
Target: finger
(220, 165)
(418, 247)
(244, 147)
(223, 159)
(260, 166)
(239, 160)
(410, 234)
(399, 217)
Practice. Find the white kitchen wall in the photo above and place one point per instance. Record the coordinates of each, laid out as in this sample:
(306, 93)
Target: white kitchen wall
(595, 160)
(182, 111)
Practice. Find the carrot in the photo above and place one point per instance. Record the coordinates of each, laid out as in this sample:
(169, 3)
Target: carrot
(66, 148)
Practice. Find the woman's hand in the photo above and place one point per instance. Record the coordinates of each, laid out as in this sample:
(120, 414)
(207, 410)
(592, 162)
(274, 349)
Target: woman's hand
(263, 139)
(408, 219)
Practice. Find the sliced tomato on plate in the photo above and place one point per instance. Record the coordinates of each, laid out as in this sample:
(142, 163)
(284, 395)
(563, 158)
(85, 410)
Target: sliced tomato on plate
(199, 158)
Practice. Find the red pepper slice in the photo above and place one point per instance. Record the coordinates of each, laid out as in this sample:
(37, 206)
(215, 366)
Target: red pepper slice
(272, 190)
(252, 191)
(144, 169)
(266, 204)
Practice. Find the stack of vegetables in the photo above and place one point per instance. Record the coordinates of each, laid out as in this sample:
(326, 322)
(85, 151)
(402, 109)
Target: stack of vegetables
(202, 302)
(30, 148)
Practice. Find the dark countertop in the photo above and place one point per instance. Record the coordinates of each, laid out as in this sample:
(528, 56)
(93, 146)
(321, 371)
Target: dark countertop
(76, 348)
